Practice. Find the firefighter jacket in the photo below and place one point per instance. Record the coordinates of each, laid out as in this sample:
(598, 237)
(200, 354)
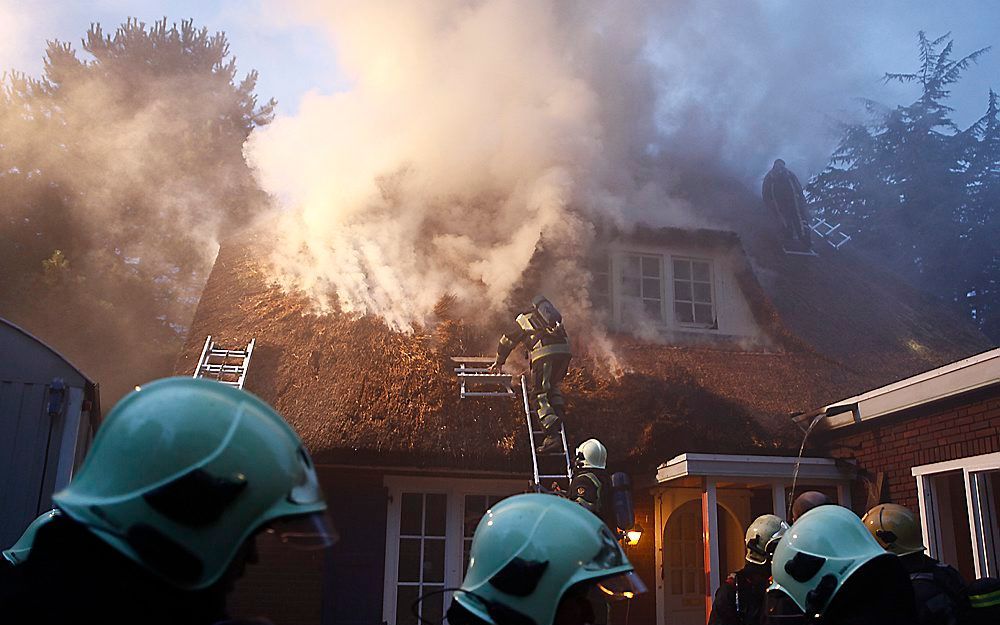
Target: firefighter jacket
(740, 599)
(540, 339)
(939, 590)
(591, 488)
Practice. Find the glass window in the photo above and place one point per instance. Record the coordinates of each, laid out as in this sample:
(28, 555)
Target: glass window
(693, 301)
(642, 279)
(475, 507)
(421, 568)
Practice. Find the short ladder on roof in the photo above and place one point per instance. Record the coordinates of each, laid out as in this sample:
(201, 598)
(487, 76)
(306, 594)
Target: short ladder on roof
(476, 380)
(830, 233)
(228, 366)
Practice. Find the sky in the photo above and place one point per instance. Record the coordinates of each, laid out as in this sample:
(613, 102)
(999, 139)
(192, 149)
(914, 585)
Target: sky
(836, 52)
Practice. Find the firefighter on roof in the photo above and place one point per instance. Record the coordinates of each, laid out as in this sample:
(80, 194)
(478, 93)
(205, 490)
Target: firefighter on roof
(782, 193)
(541, 330)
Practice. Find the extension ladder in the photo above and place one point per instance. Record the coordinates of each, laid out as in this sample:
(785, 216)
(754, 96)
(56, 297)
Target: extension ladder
(829, 233)
(228, 366)
(475, 380)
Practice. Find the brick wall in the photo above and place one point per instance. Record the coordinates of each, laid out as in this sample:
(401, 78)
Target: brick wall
(956, 428)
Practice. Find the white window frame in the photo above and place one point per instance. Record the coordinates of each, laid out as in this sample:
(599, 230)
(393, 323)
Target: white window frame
(641, 298)
(455, 489)
(714, 295)
(982, 524)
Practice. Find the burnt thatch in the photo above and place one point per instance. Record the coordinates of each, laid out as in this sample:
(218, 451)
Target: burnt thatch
(360, 393)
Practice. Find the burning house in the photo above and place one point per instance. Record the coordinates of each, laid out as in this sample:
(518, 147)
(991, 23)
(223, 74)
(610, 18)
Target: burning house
(721, 339)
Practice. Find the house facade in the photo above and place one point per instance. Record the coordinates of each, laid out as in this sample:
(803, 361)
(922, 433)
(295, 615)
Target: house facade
(719, 350)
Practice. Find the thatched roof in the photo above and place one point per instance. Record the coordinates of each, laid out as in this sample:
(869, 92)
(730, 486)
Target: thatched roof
(360, 393)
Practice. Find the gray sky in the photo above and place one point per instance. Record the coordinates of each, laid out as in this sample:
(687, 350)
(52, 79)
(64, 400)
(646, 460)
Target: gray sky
(784, 67)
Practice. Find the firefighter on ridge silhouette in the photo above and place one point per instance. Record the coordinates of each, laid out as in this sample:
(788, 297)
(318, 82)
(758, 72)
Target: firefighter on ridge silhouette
(782, 193)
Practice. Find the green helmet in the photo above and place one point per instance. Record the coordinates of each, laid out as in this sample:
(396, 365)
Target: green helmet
(762, 537)
(818, 553)
(529, 550)
(183, 471)
(895, 528)
(18, 553)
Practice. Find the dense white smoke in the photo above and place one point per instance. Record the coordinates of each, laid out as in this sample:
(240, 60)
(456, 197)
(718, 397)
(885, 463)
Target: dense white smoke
(474, 135)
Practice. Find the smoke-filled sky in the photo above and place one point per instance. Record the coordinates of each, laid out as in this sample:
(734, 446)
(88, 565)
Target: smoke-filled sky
(424, 149)
(755, 61)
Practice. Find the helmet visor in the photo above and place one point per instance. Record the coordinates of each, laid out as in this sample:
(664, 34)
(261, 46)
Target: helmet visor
(307, 532)
(622, 586)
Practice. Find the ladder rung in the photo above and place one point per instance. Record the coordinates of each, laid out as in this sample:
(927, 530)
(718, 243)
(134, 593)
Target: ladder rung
(230, 353)
(560, 476)
(211, 368)
(486, 394)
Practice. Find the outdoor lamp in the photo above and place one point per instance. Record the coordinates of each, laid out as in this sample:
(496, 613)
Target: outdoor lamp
(633, 535)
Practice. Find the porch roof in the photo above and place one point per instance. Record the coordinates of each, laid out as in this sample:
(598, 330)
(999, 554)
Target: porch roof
(755, 468)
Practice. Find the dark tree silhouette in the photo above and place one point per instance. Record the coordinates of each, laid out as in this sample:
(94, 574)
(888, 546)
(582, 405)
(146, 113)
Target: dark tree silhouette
(119, 170)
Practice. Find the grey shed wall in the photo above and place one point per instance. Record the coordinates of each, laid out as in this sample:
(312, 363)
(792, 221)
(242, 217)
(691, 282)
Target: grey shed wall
(39, 450)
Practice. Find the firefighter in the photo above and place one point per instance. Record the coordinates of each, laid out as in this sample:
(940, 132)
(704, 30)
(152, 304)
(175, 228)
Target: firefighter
(740, 599)
(937, 588)
(807, 501)
(783, 194)
(534, 559)
(591, 487)
(160, 520)
(984, 602)
(835, 572)
(542, 331)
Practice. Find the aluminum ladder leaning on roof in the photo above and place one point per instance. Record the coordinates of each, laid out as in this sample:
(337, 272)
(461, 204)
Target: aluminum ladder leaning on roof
(228, 366)
(477, 381)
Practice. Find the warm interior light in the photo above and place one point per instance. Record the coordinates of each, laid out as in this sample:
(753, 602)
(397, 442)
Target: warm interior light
(633, 535)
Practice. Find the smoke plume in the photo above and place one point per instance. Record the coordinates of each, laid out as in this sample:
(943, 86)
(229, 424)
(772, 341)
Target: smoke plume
(475, 136)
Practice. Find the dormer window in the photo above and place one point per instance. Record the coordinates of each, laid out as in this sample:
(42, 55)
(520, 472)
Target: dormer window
(643, 280)
(693, 301)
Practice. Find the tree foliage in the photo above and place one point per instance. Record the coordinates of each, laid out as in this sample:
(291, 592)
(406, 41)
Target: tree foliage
(920, 193)
(120, 169)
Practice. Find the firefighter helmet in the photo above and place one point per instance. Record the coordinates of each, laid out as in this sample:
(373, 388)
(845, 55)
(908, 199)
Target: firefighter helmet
(895, 527)
(763, 534)
(591, 454)
(184, 471)
(817, 555)
(807, 501)
(18, 553)
(530, 550)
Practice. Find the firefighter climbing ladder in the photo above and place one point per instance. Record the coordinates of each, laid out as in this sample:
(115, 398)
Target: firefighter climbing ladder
(477, 381)
(228, 366)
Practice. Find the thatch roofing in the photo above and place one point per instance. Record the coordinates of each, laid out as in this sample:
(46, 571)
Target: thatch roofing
(359, 393)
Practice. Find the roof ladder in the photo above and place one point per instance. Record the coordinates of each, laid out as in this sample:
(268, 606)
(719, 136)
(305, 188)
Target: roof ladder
(829, 232)
(228, 366)
(476, 380)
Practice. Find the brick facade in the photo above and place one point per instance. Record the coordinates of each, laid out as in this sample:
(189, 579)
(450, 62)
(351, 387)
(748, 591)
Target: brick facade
(966, 425)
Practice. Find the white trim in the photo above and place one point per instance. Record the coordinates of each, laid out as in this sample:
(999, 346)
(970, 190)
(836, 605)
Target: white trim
(70, 439)
(811, 470)
(984, 462)
(455, 490)
(958, 377)
(710, 510)
(658, 548)
(780, 505)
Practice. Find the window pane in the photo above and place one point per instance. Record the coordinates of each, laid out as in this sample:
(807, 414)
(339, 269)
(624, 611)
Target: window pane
(466, 554)
(630, 287)
(683, 312)
(433, 560)
(703, 314)
(682, 291)
(682, 269)
(405, 596)
(410, 514)
(632, 265)
(651, 288)
(436, 512)
(701, 271)
(409, 559)
(432, 608)
(703, 292)
(475, 505)
(652, 308)
(651, 266)
(676, 588)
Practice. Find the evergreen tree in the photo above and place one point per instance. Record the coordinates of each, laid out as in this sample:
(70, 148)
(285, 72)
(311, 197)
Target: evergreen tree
(903, 181)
